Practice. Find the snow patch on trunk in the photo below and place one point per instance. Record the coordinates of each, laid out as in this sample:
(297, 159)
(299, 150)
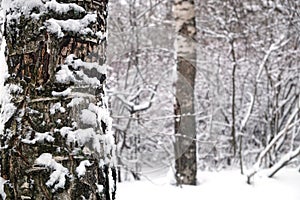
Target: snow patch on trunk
(26, 6)
(81, 169)
(58, 176)
(88, 117)
(75, 102)
(71, 25)
(63, 93)
(57, 107)
(6, 106)
(2, 182)
(39, 137)
(63, 7)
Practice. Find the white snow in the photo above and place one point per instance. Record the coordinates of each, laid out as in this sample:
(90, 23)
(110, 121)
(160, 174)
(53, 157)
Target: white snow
(81, 169)
(285, 159)
(63, 93)
(75, 102)
(58, 176)
(78, 76)
(65, 75)
(88, 137)
(2, 182)
(225, 185)
(83, 137)
(101, 35)
(76, 63)
(63, 7)
(111, 183)
(71, 25)
(57, 107)
(39, 137)
(281, 134)
(64, 131)
(99, 187)
(87, 80)
(54, 27)
(15, 88)
(7, 108)
(30, 4)
(26, 7)
(88, 117)
(102, 114)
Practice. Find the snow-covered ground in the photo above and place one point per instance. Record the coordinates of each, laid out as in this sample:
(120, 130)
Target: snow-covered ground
(216, 186)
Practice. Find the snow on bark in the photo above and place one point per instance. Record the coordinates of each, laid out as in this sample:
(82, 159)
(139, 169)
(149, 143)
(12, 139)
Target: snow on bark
(77, 63)
(81, 169)
(58, 176)
(77, 74)
(75, 102)
(63, 93)
(94, 116)
(63, 7)
(18, 7)
(7, 108)
(80, 26)
(2, 193)
(38, 137)
(57, 107)
(88, 117)
(59, 111)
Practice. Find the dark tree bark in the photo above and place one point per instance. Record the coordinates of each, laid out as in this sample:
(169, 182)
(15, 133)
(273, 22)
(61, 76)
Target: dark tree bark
(57, 142)
(185, 128)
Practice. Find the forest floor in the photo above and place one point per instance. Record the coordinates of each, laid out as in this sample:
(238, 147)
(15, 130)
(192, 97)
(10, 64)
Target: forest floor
(223, 185)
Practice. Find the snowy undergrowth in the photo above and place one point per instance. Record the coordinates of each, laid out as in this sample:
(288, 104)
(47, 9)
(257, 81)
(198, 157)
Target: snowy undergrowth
(225, 185)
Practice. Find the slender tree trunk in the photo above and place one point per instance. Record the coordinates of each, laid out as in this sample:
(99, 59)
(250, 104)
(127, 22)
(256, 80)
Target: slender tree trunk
(185, 128)
(233, 129)
(57, 142)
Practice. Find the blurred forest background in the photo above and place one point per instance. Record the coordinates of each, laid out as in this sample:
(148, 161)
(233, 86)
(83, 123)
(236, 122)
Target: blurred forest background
(247, 85)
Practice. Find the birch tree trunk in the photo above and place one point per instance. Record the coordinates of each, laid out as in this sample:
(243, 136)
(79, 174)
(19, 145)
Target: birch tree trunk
(185, 128)
(57, 142)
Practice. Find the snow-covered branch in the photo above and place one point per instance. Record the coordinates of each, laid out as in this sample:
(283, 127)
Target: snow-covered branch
(282, 133)
(275, 46)
(248, 113)
(283, 161)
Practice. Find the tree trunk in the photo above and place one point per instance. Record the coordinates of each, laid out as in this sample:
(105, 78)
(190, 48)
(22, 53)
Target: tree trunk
(185, 128)
(57, 142)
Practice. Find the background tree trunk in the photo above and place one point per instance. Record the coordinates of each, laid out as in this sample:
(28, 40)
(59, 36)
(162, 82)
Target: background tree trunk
(57, 142)
(185, 128)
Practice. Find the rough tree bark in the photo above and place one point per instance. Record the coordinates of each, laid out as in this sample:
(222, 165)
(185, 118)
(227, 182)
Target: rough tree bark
(185, 128)
(56, 142)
